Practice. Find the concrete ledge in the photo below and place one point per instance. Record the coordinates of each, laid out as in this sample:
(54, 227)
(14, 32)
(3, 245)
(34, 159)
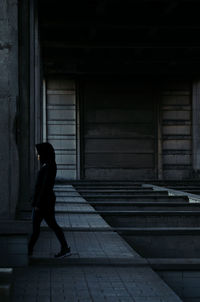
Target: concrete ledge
(13, 251)
(125, 191)
(117, 195)
(158, 231)
(100, 182)
(5, 292)
(143, 203)
(134, 231)
(193, 198)
(6, 275)
(138, 198)
(14, 227)
(13, 243)
(82, 229)
(134, 213)
(6, 280)
(89, 261)
(174, 263)
(149, 213)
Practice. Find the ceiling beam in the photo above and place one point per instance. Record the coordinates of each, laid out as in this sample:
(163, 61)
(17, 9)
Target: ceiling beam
(106, 26)
(149, 45)
(55, 2)
(126, 70)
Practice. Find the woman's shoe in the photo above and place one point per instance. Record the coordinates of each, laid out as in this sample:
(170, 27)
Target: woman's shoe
(63, 253)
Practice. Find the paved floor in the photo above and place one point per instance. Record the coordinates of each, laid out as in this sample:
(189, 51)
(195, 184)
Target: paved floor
(91, 283)
(102, 267)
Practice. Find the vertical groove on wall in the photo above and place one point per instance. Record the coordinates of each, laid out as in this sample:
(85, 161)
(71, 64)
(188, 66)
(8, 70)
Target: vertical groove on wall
(176, 131)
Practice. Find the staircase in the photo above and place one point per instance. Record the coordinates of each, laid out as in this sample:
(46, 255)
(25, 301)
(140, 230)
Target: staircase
(121, 228)
(157, 225)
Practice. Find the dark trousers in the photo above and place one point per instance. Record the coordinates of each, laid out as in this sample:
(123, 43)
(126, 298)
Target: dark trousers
(49, 217)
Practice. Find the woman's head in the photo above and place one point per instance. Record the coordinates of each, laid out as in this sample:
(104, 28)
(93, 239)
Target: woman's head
(46, 153)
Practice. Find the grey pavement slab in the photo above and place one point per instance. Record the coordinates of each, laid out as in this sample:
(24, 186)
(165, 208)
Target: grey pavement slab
(66, 220)
(64, 187)
(73, 207)
(70, 199)
(86, 245)
(90, 283)
(67, 193)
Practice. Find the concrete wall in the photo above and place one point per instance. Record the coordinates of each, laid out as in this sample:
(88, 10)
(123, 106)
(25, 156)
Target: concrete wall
(9, 92)
(138, 130)
(61, 125)
(119, 129)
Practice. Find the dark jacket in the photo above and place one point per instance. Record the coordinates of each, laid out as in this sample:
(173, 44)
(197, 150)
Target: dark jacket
(44, 197)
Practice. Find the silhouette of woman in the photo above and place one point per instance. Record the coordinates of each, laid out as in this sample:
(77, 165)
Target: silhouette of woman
(44, 199)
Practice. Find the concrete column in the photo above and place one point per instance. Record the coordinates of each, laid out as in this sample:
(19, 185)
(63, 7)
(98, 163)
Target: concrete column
(19, 102)
(196, 128)
(30, 98)
(9, 92)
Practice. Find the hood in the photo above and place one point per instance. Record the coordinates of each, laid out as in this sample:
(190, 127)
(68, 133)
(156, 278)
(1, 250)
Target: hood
(46, 152)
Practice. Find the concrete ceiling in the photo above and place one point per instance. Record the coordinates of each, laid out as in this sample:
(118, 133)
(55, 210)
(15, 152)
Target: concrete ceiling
(120, 37)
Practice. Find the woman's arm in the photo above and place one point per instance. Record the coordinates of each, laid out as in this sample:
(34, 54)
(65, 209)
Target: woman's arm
(41, 188)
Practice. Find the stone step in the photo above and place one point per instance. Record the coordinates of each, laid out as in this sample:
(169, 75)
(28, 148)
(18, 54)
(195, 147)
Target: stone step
(138, 198)
(109, 187)
(169, 200)
(166, 183)
(69, 207)
(91, 229)
(117, 190)
(123, 194)
(69, 199)
(28, 207)
(105, 261)
(193, 191)
(145, 206)
(74, 219)
(157, 231)
(160, 242)
(165, 201)
(184, 187)
(178, 264)
(67, 193)
(105, 183)
(66, 209)
(152, 218)
(119, 212)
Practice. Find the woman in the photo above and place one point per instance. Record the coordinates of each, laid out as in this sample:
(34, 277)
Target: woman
(44, 199)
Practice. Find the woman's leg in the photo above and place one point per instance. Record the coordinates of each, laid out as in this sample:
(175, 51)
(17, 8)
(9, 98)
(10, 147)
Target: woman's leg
(36, 218)
(49, 217)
